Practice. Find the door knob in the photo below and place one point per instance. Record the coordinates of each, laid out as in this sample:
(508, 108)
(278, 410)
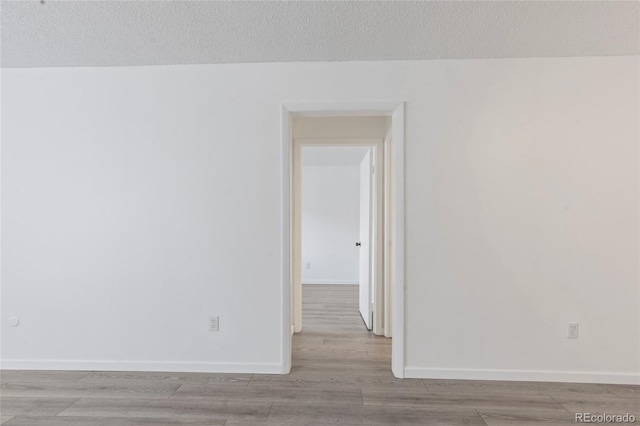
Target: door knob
(358, 244)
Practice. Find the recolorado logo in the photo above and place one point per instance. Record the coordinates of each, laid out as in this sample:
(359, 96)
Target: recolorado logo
(604, 418)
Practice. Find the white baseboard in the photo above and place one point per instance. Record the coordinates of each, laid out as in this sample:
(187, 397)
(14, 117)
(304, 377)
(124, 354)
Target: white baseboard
(522, 375)
(337, 282)
(276, 368)
(183, 367)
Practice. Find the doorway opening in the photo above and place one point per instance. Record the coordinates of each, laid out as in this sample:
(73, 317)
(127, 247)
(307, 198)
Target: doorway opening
(338, 202)
(321, 131)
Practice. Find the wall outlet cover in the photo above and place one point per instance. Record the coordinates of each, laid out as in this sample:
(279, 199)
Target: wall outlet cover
(214, 323)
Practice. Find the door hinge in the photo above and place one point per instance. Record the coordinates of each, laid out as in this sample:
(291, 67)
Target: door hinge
(373, 169)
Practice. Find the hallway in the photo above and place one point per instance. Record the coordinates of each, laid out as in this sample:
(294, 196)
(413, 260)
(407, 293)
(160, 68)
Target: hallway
(334, 335)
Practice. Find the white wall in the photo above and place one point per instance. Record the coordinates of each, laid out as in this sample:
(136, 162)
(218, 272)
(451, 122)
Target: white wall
(138, 201)
(330, 224)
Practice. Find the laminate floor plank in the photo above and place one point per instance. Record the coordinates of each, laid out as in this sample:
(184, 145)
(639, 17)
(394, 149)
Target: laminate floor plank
(106, 377)
(335, 381)
(335, 355)
(491, 421)
(352, 362)
(344, 359)
(273, 393)
(344, 332)
(371, 415)
(5, 419)
(331, 309)
(321, 350)
(109, 421)
(337, 369)
(268, 423)
(12, 406)
(172, 408)
(92, 390)
(333, 371)
(40, 376)
(625, 391)
(584, 404)
(379, 349)
(508, 417)
(425, 398)
(311, 344)
(337, 340)
(509, 387)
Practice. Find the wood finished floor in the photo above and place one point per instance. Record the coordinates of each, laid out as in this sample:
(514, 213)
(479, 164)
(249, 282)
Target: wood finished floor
(341, 374)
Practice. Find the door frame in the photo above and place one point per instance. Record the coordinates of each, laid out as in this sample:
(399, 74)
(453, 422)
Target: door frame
(395, 110)
(376, 215)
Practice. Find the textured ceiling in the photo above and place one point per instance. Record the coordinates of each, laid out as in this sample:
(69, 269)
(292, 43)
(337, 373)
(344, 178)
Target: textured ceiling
(111, 33)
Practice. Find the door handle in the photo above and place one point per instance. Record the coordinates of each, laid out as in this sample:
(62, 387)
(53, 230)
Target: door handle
(358, 244)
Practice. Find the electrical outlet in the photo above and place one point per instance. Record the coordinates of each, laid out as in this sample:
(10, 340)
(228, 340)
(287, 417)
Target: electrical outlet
(214, 323)
(572, 331)
(308, 265)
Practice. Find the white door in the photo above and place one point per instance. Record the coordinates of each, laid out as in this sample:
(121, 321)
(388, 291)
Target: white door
(365, 239)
